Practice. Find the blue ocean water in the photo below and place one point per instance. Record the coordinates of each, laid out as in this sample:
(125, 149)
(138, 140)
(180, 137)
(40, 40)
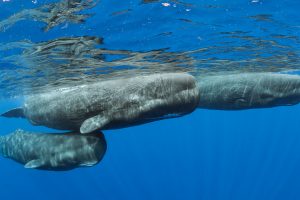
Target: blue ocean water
(209, 154)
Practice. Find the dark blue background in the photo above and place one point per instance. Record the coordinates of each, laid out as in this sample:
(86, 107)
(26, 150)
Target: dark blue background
(250, 154)
(253, 154)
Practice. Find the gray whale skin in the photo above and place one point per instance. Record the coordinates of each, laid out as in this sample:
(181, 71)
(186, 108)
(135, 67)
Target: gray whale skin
(248, 90)
(112, 104)
(57, 152)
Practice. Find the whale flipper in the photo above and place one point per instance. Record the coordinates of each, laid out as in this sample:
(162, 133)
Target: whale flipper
(16, 112)
(89, 164)
(33, 164)
(93, 123)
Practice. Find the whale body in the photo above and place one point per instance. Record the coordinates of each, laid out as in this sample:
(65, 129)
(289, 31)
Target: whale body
(112, 104)
(53, 151)
(248, 90)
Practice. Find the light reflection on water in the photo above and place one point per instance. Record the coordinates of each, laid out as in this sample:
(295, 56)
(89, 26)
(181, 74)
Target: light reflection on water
(28, 66)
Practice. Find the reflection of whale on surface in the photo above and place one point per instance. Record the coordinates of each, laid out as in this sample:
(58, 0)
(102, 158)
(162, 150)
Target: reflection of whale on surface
(113, 103)
(248, 90)
(52, 14)
(53, 151)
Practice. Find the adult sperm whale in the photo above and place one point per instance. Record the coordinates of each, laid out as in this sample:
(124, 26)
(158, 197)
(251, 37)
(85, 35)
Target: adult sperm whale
(53, 151)
(113, 103)
(248, 90)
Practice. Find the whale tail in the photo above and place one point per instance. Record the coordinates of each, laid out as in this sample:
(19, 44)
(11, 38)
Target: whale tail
(16, 112)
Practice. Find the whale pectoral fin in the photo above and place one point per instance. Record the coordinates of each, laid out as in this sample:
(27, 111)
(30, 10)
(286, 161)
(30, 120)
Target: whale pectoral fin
(33, 164)
(16, 112)
(89, 164)
(93, 123)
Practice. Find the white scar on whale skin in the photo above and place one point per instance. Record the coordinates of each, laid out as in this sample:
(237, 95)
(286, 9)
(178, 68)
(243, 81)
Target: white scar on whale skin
(112, 104)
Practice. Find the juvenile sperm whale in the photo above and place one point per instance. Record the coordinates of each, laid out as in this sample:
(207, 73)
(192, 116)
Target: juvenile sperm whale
(53, 151)
(113, 103)
(248, 90)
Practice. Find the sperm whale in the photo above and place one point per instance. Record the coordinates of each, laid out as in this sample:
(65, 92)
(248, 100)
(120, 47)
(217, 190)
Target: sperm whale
(248, 91)
(63, 151)
(112, 104)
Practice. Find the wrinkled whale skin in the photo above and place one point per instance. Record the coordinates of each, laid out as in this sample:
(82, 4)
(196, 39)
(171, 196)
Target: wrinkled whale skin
(114, 104)
(248, 90)
(57, 152)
